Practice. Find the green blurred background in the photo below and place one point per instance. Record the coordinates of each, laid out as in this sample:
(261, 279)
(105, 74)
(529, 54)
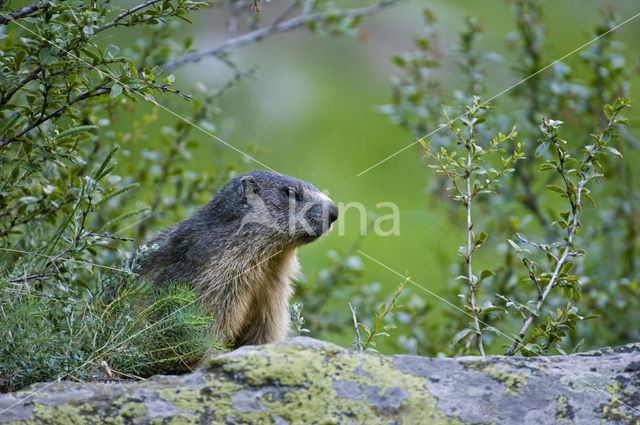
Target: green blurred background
(311, 112)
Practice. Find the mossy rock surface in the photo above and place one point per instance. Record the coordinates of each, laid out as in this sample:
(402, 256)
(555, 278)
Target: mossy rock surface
(306, 381)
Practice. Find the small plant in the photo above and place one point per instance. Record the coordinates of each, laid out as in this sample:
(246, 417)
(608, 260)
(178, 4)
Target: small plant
(575, 176)
(470, 176)
(379, 326)
(297, 320)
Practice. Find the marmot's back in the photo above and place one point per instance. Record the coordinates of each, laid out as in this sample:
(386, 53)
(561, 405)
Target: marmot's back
(239, 252)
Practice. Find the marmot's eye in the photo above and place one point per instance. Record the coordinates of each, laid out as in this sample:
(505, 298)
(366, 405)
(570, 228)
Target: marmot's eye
(290, 191)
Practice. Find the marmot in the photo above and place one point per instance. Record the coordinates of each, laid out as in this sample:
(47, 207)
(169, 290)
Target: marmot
(239, 252)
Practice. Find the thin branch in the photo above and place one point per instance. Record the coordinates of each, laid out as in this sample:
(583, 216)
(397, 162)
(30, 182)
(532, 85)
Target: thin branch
(109, 236)
(123, 15)
(288, 25)
(355, 325)
(537, 245)
(467, 204)
(23, 12)
(30, 77)
(95, 91)
(308, 7)
(556, 271)
(232, 21)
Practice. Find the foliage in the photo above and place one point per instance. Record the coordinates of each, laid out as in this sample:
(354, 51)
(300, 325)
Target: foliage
(469, 178)
(543, 294)
(123, 330)
(379, 328)
(85, 174)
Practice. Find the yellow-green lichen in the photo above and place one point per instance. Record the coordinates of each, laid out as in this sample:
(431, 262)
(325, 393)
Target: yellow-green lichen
(564, 411)
(623, 405)
(512, 381)
(306, 379)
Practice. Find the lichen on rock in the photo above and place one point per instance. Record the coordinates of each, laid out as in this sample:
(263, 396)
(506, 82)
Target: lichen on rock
(306, 381)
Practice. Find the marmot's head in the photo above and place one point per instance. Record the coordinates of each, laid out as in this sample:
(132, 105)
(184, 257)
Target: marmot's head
(274, 207)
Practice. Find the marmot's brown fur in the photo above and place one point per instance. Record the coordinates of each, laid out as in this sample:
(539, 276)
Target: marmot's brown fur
(239, 252)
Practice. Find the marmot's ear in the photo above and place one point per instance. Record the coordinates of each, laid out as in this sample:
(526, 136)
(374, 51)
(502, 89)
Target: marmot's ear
(250, 186)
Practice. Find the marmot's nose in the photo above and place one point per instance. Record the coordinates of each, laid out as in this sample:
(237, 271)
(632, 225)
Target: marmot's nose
(333, 212)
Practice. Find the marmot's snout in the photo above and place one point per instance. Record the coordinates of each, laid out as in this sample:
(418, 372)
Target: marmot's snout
(321, 215)
(333, 212)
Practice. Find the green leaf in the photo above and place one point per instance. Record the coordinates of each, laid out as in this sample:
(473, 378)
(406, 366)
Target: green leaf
(614, 151)
(45, 56)
(480, 239)
(18, 58)
(99, 174)
(486, 274)
(114, 194)
(111, 51)
(514, 245)
(116, 90)
(82, 128)
(554, 188)
(398, 61)
(10, 124)
(461, 335)
(540, 150)
(566, 267)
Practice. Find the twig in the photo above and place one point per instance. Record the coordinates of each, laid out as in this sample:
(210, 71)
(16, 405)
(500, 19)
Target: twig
(556, 272)
(288, 25)
(537, 245)
(232, 21)
(355, 325)
(123, 15)
(95, 91)
(470, 248)
(30, 77)
(109, 236)
(23, 12)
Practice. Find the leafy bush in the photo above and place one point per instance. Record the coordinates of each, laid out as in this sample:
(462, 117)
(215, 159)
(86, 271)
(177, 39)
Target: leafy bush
(123, 329)
(553, 273)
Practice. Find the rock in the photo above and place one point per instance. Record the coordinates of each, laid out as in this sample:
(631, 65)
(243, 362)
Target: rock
(306, 381)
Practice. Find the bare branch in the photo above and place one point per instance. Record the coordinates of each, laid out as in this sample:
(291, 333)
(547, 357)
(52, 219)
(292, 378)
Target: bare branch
(23, 12)
(355, 324)
(123, 15)
(274, 28)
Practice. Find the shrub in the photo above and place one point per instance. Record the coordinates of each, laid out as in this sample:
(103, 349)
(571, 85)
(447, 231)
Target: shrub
(544, 261)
